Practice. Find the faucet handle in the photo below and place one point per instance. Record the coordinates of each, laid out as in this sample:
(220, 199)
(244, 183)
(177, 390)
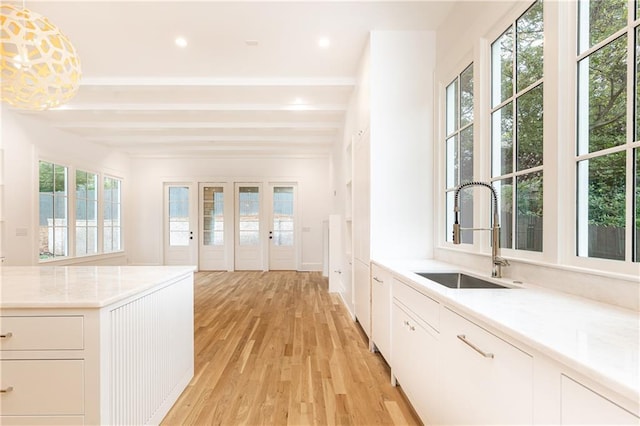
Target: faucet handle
(501, 261)
(456, 233)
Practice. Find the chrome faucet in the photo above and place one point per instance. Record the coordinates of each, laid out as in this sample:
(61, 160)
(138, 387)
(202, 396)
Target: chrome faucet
(497, 261)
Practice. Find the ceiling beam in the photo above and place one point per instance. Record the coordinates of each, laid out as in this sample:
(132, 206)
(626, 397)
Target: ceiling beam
(216, 81)
(153, 125)
(194, 107)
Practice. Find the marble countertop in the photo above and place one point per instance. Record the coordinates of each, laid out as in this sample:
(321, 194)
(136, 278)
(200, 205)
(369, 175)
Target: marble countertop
(598, 340)
(79, 286)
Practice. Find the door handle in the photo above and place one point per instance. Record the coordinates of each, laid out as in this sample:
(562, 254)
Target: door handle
(271, 235)
(191, 235)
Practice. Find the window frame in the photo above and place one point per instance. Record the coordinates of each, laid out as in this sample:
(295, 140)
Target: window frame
(70, 226)
(101, 207)
(74, 208)
(71, 211)
(571, 257)
(446, 136)
(511, 101)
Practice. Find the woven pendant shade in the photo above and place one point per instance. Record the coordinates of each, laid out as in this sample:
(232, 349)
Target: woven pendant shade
(39, 66)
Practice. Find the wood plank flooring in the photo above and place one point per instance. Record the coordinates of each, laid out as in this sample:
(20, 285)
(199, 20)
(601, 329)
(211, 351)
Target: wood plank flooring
(275, 348)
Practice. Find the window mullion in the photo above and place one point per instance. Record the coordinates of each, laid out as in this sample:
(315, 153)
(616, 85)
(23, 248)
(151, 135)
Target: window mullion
(631, 125)
(72, 202)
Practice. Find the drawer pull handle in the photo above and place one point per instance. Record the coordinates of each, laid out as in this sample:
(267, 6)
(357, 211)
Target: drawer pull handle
(474, 347)
(378, 280)
(6, 390)
(6, 335)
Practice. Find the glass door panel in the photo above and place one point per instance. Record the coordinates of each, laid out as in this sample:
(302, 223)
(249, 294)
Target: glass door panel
(249, 242)
(215, 241)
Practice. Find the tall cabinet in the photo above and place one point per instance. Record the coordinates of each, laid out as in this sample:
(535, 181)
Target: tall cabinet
(390, 123)
(361, 231)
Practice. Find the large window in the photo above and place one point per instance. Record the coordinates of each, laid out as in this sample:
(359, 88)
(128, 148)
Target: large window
(517, 129)
(86, 213)
(607, 164)
(112, 212)
(58, 221)
(53, 206)
(459, 151)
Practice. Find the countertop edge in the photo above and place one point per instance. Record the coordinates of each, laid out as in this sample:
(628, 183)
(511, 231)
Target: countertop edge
(174, 273)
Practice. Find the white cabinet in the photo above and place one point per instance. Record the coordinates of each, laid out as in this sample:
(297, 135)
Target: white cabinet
(381, 310)
(415, 360)
(362, 295)
(583, 406)
(123, 363)
(485, 380)
(46, 389)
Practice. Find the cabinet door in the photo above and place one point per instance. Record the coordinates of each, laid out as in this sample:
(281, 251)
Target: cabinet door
(362, 295)
(42, 387)
(582, 406)
(485, 379)
(381, 310)
(415, 362)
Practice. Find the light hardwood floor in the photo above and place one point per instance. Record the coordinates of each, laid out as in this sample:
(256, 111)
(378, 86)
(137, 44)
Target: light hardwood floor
(275, 348)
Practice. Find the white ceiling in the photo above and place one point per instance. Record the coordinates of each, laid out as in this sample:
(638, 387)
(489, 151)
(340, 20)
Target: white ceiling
(142, 94)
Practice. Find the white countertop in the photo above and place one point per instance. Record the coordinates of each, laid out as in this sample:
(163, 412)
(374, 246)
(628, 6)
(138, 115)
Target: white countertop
(79, 286)
(598, 340)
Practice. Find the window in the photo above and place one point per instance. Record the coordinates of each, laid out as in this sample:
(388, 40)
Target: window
(459, 151)
(86, 213)
(112, 212)
(517, 129)
(53, 206)
(608, 130)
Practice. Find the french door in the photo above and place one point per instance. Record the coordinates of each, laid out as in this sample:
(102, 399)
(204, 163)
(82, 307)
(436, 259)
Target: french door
(283, 227)
(180, 219)
(231, 226)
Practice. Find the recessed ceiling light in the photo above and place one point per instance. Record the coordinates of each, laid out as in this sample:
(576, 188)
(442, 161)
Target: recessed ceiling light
(324, 42)
(251, 42)
(181, 42)
(298, 101)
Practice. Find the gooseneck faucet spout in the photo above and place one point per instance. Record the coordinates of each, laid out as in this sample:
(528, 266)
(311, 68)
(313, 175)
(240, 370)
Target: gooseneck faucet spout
(496, 261)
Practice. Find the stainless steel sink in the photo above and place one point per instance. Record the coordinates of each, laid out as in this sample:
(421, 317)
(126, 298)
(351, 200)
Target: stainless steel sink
(458, 280)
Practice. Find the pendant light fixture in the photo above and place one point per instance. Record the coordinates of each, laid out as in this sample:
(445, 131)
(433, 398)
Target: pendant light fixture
(39, 67)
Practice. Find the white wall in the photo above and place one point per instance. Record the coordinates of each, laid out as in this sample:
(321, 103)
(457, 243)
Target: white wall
(145, 237)
(25, 141)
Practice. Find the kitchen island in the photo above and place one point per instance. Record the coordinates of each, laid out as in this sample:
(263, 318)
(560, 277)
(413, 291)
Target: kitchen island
(94, 344)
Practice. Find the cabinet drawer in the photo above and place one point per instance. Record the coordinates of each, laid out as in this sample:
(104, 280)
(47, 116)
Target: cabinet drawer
(41, 333)
(42, 387)
(423, 306)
